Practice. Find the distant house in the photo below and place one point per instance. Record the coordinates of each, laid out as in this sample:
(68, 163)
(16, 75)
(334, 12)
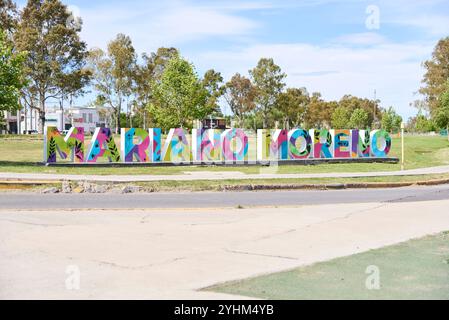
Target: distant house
(214, 123)
(8, 125)
(86, 117)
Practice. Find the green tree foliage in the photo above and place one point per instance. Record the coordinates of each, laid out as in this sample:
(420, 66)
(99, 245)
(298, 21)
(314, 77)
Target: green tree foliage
(145, 76)
(353, 103)
(423, 124)
(240, 95)
(268, 79)
(56, 55)
(391, 121)
(293, 105)
(11, 75)
(359, 119)
(319, 114)
(442, 110)
(213, 83)
(437, 73)
(113, 74)
(8, 16)
(180, 96)
(340, 118)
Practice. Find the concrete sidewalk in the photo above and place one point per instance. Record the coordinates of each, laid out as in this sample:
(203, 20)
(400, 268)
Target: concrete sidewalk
(170, 254)
(265, 173)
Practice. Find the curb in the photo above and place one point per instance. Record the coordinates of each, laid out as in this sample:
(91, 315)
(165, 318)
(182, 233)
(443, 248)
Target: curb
(23, 184)
(335, 186)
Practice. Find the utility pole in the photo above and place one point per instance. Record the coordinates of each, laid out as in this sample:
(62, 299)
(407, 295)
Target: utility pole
(402, 142)
(374, 107)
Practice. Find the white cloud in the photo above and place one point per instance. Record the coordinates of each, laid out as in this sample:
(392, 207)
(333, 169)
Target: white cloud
(152, 25)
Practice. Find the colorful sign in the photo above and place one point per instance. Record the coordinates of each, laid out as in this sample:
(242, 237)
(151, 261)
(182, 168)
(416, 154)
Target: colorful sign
(214, 146)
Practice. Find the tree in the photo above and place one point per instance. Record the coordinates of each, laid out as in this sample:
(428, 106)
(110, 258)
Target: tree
(240, 94)
(359, 119)
(391, 121)
(180, 96)
(11, 75)
(371, 107)
(319, 114)
(293, 105)
(423, 124)
(442, 111)
(8, 16)
(145, 76)
(268, 79)
(340, 118)
(56, 55)
(212, 83)
(113, 74)
(436, 75)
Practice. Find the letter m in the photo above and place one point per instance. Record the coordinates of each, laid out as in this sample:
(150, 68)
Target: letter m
(72, 143)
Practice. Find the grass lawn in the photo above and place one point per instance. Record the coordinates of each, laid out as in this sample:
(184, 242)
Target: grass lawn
(20, 154)
(417, 269)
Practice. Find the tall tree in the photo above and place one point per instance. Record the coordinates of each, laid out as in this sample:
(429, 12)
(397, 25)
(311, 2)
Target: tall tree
(391, 121)
(180, 96)
(371, 107)
(437, 73)
(213, 84)
(145, 76)
(442, 111)
(340, 118)
(293, 105)
(359, 119)
(113, 74)
(56, 55)
(11, 75)
(320, 112)
(268, 79)
(240, 95)
(8, 16)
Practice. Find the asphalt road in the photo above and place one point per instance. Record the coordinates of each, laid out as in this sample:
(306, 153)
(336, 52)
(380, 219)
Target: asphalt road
(218, 199)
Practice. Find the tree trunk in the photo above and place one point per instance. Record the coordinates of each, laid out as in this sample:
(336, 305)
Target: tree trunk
(41, 114)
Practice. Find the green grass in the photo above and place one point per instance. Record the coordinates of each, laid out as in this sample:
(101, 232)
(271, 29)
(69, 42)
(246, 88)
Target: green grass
(21, 153)
(417, 269)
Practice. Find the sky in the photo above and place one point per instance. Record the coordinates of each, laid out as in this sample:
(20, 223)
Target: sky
(335, 47)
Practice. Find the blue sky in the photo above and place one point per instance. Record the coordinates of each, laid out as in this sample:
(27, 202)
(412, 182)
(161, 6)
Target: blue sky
(335, 47)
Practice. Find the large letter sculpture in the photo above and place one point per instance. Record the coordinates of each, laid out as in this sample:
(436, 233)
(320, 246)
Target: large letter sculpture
(272, 144)
(299, 144)
(73, 143)
(322, 144)
(206, 145)
(342, 141)
(360, 143)
(103, 145)
(176, 148)
(130, 149)
(380, 143)
(234, 144)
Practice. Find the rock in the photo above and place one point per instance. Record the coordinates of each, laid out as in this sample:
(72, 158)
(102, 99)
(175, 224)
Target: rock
(78, 189)
(51, 190)
(130, 189)
(66, 187)
(88, 187)
(101, 188)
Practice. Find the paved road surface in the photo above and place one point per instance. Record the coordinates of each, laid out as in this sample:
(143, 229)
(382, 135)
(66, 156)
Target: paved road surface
(219, 199)
(162, 250)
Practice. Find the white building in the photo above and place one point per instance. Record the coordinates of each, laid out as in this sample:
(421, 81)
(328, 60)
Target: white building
(87, 117)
